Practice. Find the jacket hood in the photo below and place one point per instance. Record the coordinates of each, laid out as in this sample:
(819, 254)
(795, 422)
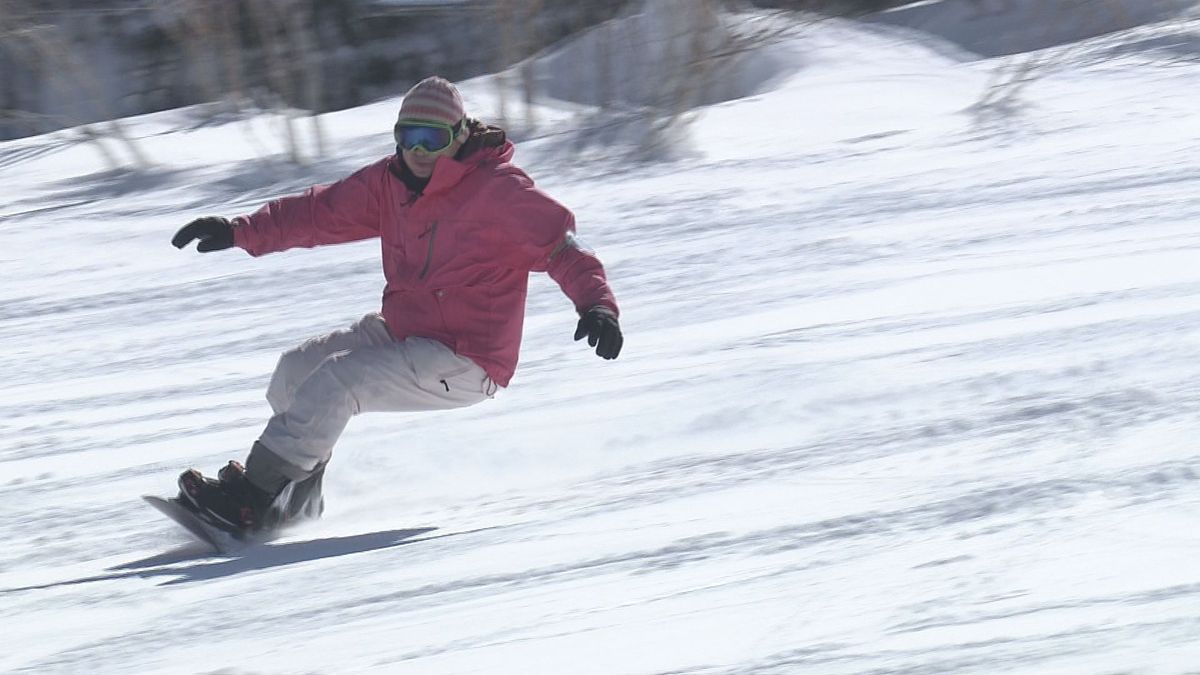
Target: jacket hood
(482, 137)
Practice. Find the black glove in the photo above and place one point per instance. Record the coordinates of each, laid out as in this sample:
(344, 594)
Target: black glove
(603, 331)
(215, 234)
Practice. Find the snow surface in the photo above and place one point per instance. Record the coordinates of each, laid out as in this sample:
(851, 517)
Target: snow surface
(907, 388)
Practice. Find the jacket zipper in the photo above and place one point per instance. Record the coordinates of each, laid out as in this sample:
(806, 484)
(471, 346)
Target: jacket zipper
(432, 233)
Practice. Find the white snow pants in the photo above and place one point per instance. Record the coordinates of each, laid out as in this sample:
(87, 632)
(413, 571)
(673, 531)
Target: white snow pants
(318, 386)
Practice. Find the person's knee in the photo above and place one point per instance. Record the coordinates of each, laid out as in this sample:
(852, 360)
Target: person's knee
(334, 382)
(290, 371)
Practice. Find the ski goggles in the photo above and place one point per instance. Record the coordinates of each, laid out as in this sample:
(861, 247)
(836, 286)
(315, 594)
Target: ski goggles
(430, 136)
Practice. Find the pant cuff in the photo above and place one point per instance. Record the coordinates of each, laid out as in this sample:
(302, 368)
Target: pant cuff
(271, 472)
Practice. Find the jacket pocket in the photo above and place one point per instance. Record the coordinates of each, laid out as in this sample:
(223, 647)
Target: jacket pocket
(439, 369)
(431, 235)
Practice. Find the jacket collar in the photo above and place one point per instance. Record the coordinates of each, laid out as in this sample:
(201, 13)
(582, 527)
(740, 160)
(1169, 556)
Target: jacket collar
(448, 172)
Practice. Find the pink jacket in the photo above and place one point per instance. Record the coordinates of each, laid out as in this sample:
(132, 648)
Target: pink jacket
(457, 259)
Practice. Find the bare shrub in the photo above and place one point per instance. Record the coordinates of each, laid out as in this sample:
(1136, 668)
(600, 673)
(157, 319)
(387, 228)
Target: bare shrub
(224, 40)
(517, 36)
(646, 72)
(222, 43)
(24, 35)
(1004, 96)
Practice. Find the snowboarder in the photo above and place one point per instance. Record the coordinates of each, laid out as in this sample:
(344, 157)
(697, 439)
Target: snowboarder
(461, 228)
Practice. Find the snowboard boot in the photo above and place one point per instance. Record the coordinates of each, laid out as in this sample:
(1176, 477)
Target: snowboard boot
(230, 502)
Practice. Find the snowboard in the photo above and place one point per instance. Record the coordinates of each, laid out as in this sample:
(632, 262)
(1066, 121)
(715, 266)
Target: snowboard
(221, 541)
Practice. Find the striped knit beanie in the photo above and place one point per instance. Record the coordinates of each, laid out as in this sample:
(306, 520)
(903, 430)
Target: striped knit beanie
(433, 99)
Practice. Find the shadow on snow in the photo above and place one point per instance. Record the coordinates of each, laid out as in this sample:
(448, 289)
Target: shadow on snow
(254, 557)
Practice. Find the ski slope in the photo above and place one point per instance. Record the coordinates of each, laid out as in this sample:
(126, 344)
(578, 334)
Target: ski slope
(907, 388)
